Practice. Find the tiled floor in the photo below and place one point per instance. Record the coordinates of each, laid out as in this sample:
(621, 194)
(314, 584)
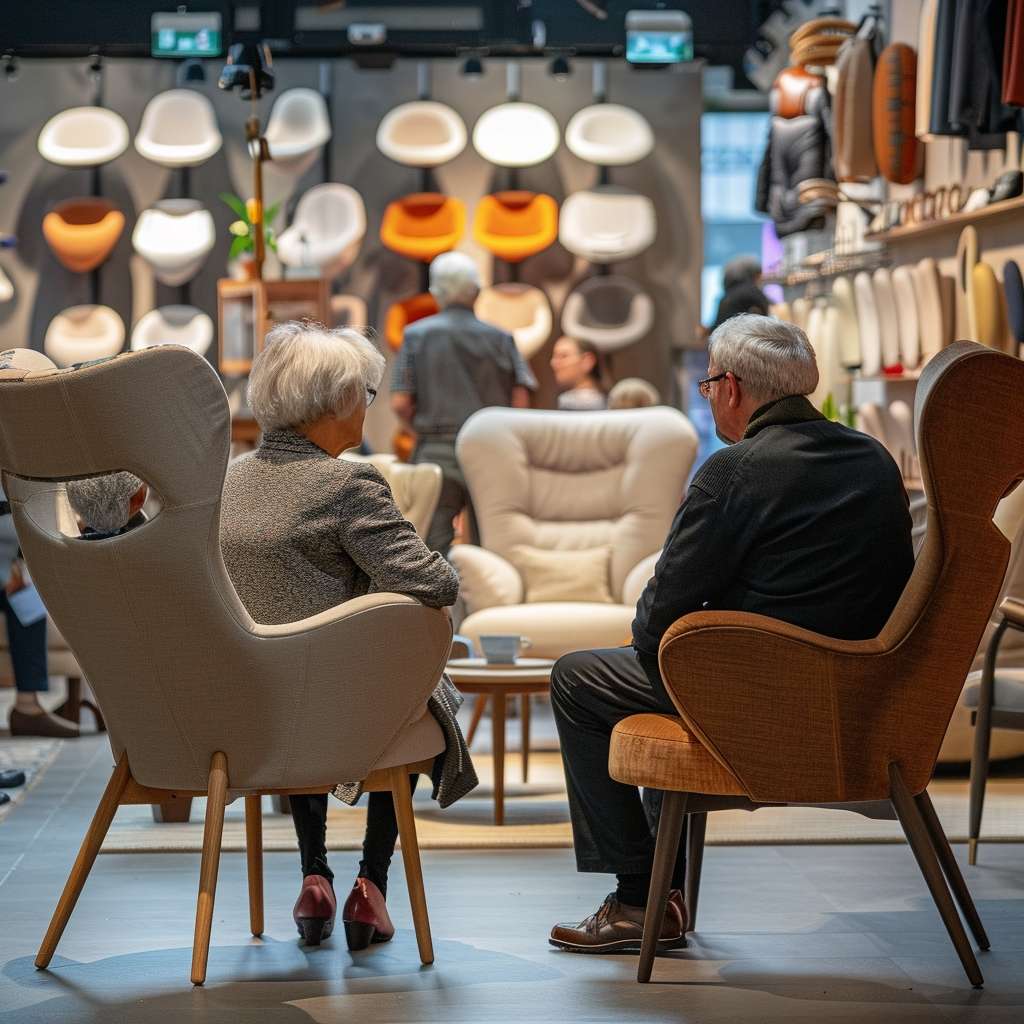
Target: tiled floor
(790, 933)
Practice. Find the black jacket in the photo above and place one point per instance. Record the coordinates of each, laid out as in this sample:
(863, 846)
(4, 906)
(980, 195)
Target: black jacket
(803, 520)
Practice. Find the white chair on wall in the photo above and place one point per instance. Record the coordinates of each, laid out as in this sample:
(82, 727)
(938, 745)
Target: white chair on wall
(609, 311)
(82, 333)
(607, 224)
(298, 128)
(516, 135)
(522, 310)
(175, 236)
(326, 231)
(178, 129)
(609, 134)
(83, 137)
(573, 508)
(423, 133)
(174, 325)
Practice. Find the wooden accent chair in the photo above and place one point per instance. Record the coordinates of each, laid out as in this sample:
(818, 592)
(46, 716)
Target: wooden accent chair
(774, 714)
(199, 699)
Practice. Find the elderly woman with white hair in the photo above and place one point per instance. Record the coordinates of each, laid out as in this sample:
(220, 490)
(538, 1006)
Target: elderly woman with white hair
(450, 365)
(303, 531)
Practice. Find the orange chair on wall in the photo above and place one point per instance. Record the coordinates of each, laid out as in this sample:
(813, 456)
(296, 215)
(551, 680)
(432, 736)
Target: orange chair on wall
(515, 224)
(423, 225)
(405, 312)
(82, 232)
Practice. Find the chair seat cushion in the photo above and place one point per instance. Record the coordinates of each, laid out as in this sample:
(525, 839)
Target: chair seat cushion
(1009, 693)
(555, 628)
(657, 751)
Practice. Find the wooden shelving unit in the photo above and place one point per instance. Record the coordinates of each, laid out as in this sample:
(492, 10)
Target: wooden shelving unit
(956, 222)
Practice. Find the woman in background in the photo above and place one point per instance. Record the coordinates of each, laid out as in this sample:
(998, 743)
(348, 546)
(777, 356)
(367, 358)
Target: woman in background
(577, 371)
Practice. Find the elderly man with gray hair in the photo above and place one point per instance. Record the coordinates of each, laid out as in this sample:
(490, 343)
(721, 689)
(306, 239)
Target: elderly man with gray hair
(800, 519)
(107, 505)
(450, 365)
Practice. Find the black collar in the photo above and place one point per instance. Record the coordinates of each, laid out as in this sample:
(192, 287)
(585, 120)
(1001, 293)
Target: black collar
(791, 409)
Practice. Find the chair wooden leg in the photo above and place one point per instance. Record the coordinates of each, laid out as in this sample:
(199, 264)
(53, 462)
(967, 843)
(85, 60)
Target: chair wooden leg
(670, 825)
(951, 869)
(982, 741)
(91, 844)
(402, 797)
(213, 830)
(920, 843)
(696, 830)
(254, 862)
(479, 707)
(498, 752)
(524, 716)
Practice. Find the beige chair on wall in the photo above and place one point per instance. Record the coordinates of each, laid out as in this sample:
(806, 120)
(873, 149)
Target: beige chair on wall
(199, 699)
(569, 494)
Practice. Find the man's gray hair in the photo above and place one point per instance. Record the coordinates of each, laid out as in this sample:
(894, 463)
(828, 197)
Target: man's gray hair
(454, 278)
(772, 358)
(103, 503)
(306, 371)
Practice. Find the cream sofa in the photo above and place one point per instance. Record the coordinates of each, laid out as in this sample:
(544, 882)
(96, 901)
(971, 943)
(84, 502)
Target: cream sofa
(567, 482)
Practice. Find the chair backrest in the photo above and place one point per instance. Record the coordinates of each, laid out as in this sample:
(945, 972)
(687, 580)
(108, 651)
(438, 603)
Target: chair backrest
(416, 488)
(180, 668)
(576, 480)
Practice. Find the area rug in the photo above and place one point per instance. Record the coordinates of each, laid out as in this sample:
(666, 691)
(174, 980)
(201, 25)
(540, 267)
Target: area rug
(537, 816)
(33, 756)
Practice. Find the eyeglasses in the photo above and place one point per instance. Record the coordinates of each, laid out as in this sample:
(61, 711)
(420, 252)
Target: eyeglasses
(371, 394)
(704, 386)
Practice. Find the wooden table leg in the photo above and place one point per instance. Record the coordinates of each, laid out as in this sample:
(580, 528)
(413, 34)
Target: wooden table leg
(524, 705)
(478, 712)
(498, 749)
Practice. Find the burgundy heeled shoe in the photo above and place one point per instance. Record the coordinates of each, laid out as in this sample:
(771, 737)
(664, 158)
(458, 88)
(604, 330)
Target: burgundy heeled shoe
(366, 916)
(315, 910)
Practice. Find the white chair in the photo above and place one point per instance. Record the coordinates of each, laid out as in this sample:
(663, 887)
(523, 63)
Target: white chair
(174, 325)
(83, 137)
(423, 133)
(178, 129)
(297, 129)
(516, 135)
(83, 333)
(609, 311)
(607, 224)
(326, 231)
(416, 488)
(563, 496)
(174, 237)
(609, 134)
(522, 310)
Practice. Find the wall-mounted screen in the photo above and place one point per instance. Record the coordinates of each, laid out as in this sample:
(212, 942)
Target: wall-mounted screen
(658, 37)
(192, 34)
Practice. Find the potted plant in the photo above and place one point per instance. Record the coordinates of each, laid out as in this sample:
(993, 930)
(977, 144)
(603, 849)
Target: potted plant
(243, 244)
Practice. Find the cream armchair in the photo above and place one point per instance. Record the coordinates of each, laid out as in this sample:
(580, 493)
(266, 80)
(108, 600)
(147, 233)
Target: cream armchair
(415, 488)
(573, 508)
(199, 699)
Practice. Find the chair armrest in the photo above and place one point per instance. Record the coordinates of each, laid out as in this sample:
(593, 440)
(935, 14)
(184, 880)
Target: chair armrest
(1012, 609)
(637, 578)
(767, 700)
(485, 578)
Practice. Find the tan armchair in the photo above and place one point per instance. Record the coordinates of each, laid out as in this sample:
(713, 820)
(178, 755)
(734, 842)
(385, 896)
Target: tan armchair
(198, 698)
(773, 714)
(560, 482)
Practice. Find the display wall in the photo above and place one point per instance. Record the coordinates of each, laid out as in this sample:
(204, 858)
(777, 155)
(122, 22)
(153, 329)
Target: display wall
(669, 270)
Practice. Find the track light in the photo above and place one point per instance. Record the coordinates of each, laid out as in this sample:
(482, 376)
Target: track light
(473, 67)
(560, 69)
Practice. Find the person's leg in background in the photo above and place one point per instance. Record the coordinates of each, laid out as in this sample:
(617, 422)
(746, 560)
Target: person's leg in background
(27, 645)
(454, 496)
(591, 692)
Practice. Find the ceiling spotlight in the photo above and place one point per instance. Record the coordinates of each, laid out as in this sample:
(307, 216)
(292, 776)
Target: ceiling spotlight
(473, 67)
(560, 69)
(191, 70)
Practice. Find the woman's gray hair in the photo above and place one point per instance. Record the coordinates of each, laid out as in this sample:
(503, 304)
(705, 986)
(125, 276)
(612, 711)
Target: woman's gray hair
(306, 371)
(103, 503)
(454, 278)
(772, 358)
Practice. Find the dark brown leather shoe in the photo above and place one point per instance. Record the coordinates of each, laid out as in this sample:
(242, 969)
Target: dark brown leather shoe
(23, 724)
(315, 909)
(366, 916)
(617, 928)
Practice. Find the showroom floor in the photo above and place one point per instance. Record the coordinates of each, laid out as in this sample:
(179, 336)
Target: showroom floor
(827, 933)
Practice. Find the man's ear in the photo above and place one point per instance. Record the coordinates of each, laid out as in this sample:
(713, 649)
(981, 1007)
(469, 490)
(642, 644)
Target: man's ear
(735, 396)
(138, 499)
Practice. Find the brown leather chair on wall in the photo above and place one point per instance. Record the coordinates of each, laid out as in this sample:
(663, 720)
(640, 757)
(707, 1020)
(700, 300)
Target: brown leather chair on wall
(199, 699)
(774, 714)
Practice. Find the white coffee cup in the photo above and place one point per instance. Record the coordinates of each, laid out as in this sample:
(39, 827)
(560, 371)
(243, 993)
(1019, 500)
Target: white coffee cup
(503, 648)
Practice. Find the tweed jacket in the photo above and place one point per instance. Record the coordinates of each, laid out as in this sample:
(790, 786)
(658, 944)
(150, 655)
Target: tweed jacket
(302, 532)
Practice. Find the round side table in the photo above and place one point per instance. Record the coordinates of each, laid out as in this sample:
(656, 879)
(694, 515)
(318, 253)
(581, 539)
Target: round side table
(499, 682)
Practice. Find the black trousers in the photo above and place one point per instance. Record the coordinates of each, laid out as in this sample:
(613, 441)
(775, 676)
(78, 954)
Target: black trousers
(454, 493)
(27, 646)
(591, 692)
(309, 813)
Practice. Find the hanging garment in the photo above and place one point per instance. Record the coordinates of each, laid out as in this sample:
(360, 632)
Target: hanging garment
(925, 68)
(942, 64)
(852, 143)
(1013, 56)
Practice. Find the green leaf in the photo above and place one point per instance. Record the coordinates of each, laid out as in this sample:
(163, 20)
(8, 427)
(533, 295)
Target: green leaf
(238, 246)
(236, 204)
(271, 240)
(270, 213)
